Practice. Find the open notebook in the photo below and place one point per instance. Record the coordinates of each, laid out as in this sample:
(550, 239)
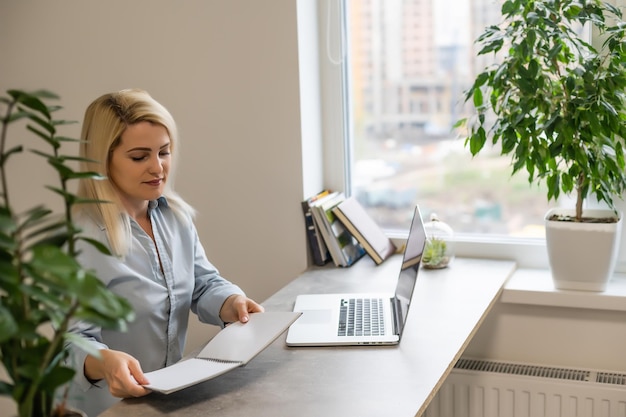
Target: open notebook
(233, 346)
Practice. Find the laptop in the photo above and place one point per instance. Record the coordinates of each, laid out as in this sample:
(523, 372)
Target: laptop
(361, 319)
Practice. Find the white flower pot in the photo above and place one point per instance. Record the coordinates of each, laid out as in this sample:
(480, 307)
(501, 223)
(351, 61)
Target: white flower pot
(582, 256)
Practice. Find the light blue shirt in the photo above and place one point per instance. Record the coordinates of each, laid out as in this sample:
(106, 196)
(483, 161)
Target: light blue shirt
(161, 298)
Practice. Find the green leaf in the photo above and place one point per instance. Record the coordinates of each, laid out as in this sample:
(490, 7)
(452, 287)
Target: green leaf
(56, 377)
(460, 123)
(46, 229)
(30, 101)
(5, 389)
(552, 181)
(80, 342)
(555, 51)
(67, 196)
(8, 325)
(54, 262)
(44, 123)
(67, 139)
(8, 153)
(54, 239)
(478, 97)
(64, 122)
(508, 8)
(86, 174)
(18, 115)
(493, 46)
(90, 201)
(96, 244)
(44, 94)
(63, 170)
(608, 107)
(33, 217)
(43, 154)
(477, 141)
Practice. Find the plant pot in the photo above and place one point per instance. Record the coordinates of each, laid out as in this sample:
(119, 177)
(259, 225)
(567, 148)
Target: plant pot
(582, 256)
(71, 412)
(67, 412)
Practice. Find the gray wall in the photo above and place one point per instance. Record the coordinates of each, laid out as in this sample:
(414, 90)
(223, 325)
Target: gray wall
(226, 70)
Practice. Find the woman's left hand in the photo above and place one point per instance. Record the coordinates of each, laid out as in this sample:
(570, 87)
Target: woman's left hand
(238, 307)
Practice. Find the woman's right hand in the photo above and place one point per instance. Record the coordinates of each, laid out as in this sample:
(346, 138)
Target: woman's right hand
(121, 371)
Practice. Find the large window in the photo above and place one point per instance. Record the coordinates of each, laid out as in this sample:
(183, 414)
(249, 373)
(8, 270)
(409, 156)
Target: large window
(407, 65)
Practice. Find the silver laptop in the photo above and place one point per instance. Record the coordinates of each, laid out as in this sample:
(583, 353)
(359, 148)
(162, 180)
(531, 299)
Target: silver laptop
(361, 319)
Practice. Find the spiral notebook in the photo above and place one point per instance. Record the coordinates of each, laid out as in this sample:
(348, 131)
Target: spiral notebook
(234, 346)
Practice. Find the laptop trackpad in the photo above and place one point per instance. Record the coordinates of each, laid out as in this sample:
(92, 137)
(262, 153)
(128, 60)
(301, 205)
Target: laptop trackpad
(315, 316)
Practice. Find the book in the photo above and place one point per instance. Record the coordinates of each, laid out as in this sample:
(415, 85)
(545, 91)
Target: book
(344, 249)
(320, 227)
(365, 229)
(234, 346)
(317, 247)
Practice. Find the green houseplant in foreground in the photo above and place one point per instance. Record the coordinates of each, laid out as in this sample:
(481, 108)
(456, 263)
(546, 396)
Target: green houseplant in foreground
(42, 287)
(557, 105)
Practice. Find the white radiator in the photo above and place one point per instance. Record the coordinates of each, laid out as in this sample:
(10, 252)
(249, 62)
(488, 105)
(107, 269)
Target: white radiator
(485, 388)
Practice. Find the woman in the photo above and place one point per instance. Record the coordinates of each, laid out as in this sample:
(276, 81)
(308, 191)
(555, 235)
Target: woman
(159, 264)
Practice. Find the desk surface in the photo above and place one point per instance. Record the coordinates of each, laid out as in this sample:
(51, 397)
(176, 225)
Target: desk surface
(447, 308)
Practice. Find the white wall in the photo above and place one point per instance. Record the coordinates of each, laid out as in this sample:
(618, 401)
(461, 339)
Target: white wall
(554, 336)
(226, 70)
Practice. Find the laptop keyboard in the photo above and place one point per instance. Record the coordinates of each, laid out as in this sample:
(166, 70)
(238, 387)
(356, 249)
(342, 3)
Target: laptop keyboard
(361, 317)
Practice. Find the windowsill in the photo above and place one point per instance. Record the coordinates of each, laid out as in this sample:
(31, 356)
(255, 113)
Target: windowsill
(535, 287)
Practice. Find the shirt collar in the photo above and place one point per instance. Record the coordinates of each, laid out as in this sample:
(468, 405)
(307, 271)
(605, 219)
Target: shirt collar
(152, 204)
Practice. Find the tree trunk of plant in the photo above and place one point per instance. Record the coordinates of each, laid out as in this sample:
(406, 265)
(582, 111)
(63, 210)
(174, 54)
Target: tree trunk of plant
(579, 198)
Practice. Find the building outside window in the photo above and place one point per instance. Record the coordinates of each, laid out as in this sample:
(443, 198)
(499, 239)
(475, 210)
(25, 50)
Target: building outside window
(407, 65)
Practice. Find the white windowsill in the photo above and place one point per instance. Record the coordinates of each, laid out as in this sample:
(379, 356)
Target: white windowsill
(535, 287)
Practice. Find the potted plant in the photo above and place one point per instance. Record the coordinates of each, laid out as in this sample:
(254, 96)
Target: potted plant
(438, 250)
(42, 287)
(557, 105)
(435, 254)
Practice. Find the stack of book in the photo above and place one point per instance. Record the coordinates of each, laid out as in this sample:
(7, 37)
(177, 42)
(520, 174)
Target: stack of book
(339, 229)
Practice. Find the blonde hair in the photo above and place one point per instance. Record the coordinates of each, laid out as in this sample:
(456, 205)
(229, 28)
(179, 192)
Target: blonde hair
(105, 120)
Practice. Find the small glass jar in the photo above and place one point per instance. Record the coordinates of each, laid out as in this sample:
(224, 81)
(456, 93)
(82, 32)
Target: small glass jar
(439, 249)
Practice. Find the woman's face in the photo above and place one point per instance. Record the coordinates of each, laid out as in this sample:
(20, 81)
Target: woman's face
(139, 165)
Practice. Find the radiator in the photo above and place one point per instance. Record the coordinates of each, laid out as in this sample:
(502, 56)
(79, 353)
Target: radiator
(486, 388)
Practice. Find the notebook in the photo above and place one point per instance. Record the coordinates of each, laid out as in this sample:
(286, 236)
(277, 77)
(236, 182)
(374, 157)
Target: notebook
(234, 346)
(327, 319)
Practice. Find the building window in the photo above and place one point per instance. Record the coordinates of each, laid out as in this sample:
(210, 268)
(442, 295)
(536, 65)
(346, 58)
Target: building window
(407, 64)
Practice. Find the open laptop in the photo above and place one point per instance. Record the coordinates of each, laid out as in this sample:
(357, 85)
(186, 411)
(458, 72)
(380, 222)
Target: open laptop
(327, 319)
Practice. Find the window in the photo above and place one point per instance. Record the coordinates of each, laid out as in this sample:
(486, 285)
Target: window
(407, 65)
(352, 164)
(392, 146)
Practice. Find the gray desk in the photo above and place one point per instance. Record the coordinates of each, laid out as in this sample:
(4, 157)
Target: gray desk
(448, 307)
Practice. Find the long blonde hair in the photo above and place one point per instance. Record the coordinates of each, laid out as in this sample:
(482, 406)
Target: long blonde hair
(105, 120)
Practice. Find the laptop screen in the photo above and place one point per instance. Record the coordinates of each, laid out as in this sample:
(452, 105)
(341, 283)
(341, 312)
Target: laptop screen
(410, 266)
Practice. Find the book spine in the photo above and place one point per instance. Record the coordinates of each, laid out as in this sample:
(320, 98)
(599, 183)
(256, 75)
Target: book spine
(320, 218)
(319, 254)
